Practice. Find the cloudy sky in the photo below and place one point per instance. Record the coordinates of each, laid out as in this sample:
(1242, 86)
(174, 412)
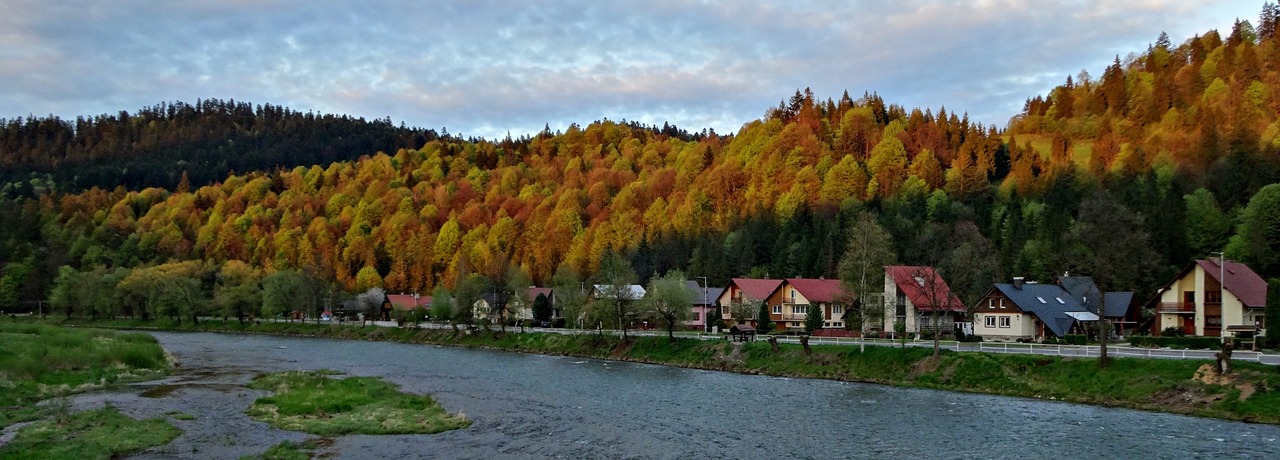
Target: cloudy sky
(486, 68)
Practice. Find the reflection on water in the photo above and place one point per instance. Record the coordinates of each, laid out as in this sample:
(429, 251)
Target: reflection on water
(531, 406)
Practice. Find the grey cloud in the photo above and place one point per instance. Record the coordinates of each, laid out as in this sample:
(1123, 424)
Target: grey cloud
(486, 68)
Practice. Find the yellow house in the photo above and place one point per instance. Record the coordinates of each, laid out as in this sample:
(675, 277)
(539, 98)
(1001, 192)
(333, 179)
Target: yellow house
(1210, 299)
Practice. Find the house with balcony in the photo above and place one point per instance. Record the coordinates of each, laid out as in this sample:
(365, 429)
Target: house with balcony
(789, 303)
(920, 299)
(741, 299)
(1209, 298)
(1021, 311)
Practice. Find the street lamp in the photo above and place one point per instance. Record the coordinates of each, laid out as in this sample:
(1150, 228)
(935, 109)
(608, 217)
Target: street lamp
(706, 320)
(1222, 299)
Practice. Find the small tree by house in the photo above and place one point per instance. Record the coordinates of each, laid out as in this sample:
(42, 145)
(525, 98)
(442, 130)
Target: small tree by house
(869, 250)
(616, 298)
(813, 319)
(669, 301)
(442, 307)
(762, 318)
(542, 308)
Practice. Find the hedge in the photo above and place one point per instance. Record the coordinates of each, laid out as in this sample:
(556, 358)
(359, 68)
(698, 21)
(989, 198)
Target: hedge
(1203, 343)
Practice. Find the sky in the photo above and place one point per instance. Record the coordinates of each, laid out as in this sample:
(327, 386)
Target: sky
(493, 68)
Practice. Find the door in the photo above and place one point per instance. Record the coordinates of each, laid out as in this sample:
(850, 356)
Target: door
(1189, 325)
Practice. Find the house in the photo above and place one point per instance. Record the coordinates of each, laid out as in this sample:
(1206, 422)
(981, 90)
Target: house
(1028, 311)
(742, 298)
(789, 303)
(526, 311)
(1117, 307)
(919, 298)
(704, 302)
(1211, 299)
(408, 302)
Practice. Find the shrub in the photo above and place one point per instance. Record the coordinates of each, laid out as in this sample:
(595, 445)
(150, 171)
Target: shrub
(1075, 339)
(1202, 343)
(1172, 331)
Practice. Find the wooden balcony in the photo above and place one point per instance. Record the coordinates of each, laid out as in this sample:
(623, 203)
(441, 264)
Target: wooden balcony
(1178, 308)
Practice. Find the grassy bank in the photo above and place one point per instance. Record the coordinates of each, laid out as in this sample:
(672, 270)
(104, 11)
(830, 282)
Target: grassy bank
(1251, 393)
(39, 361)
(320, 404)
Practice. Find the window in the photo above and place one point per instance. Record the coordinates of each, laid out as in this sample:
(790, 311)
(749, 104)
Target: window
(837, 324)
(989, 321)
(799, 309)
(697, 316)
(793, 295)
(777, 309)
(1060, 300)
(991, 303)
(1001, 303)
(1041, 299)
(837, 310)
(1004, 321)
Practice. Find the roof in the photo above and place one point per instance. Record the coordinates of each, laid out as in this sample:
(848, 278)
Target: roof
(713, 295)
(817, 290)
(1241, 281)
(742, 327)
(1085, 291)
(407, 301)
(1048, 302)
(534, 291)
(915, 285)
(636, 291)
(756, 289)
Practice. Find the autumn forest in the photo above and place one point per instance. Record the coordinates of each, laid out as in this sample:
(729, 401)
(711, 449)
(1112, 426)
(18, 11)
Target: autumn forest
(1175, 149)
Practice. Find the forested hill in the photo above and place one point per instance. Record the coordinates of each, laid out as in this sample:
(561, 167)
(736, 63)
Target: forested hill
(1162, 160)
(1207, 107)
(154, 146)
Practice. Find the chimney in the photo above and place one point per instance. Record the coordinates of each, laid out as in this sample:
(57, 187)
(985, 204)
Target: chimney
(1017, 283)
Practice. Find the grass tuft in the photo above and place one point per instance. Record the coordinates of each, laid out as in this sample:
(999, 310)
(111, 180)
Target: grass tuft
(316, 403)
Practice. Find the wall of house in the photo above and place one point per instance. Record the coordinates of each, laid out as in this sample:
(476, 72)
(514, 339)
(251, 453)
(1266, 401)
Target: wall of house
(787, 296)
(1233, 311)
(1021, 326)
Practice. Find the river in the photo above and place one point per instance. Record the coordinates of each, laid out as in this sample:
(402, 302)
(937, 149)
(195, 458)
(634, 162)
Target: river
(532, 406)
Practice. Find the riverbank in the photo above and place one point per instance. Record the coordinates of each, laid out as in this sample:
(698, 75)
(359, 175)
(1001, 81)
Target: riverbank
(1251, 393)
(41, 362)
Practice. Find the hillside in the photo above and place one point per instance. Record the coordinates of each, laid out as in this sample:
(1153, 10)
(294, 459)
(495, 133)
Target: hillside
(776, 198)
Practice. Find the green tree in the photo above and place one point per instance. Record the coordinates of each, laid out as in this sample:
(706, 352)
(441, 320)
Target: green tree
(670, 301)
(238, 291)
(280, 291)
(1257, 238)
(1207, 227)
(466, 294)
(64, 296)
(762, 317)
(1109, 243)
(615, 298)
(570, 296)
(869, 250)
(542, 310)
(813, 318)
(442, 306)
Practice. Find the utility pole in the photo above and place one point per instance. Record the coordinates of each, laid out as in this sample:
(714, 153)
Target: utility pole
(1222, 299)
(706, 314)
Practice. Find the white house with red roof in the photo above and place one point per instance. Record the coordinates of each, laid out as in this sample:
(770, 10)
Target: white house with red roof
(919, 298)
(1212, 299)
(745, 294)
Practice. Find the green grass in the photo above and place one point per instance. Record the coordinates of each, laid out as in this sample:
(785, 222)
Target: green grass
(39, 361)
(1147, 384)
(102, 433)
(317, 403)
(288, 450)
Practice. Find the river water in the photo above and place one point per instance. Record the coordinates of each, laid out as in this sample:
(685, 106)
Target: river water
(532, 406)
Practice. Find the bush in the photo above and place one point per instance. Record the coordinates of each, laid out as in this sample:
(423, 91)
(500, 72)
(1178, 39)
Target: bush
(1075, 339)
(1172, 331)
(1200, 343)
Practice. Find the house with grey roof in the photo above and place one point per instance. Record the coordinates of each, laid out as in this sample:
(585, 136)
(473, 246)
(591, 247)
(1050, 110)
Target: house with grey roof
(1117, 307)
(1028, 311)
(704, 303)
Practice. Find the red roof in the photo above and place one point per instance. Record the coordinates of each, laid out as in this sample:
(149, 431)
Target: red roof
(408, 301)
(534, 291)
(818, 290)
(1241, 281)
(915, 283)
(757, 289)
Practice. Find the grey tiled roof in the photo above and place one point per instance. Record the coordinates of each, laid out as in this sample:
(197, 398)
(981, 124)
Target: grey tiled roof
(1048, 302)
